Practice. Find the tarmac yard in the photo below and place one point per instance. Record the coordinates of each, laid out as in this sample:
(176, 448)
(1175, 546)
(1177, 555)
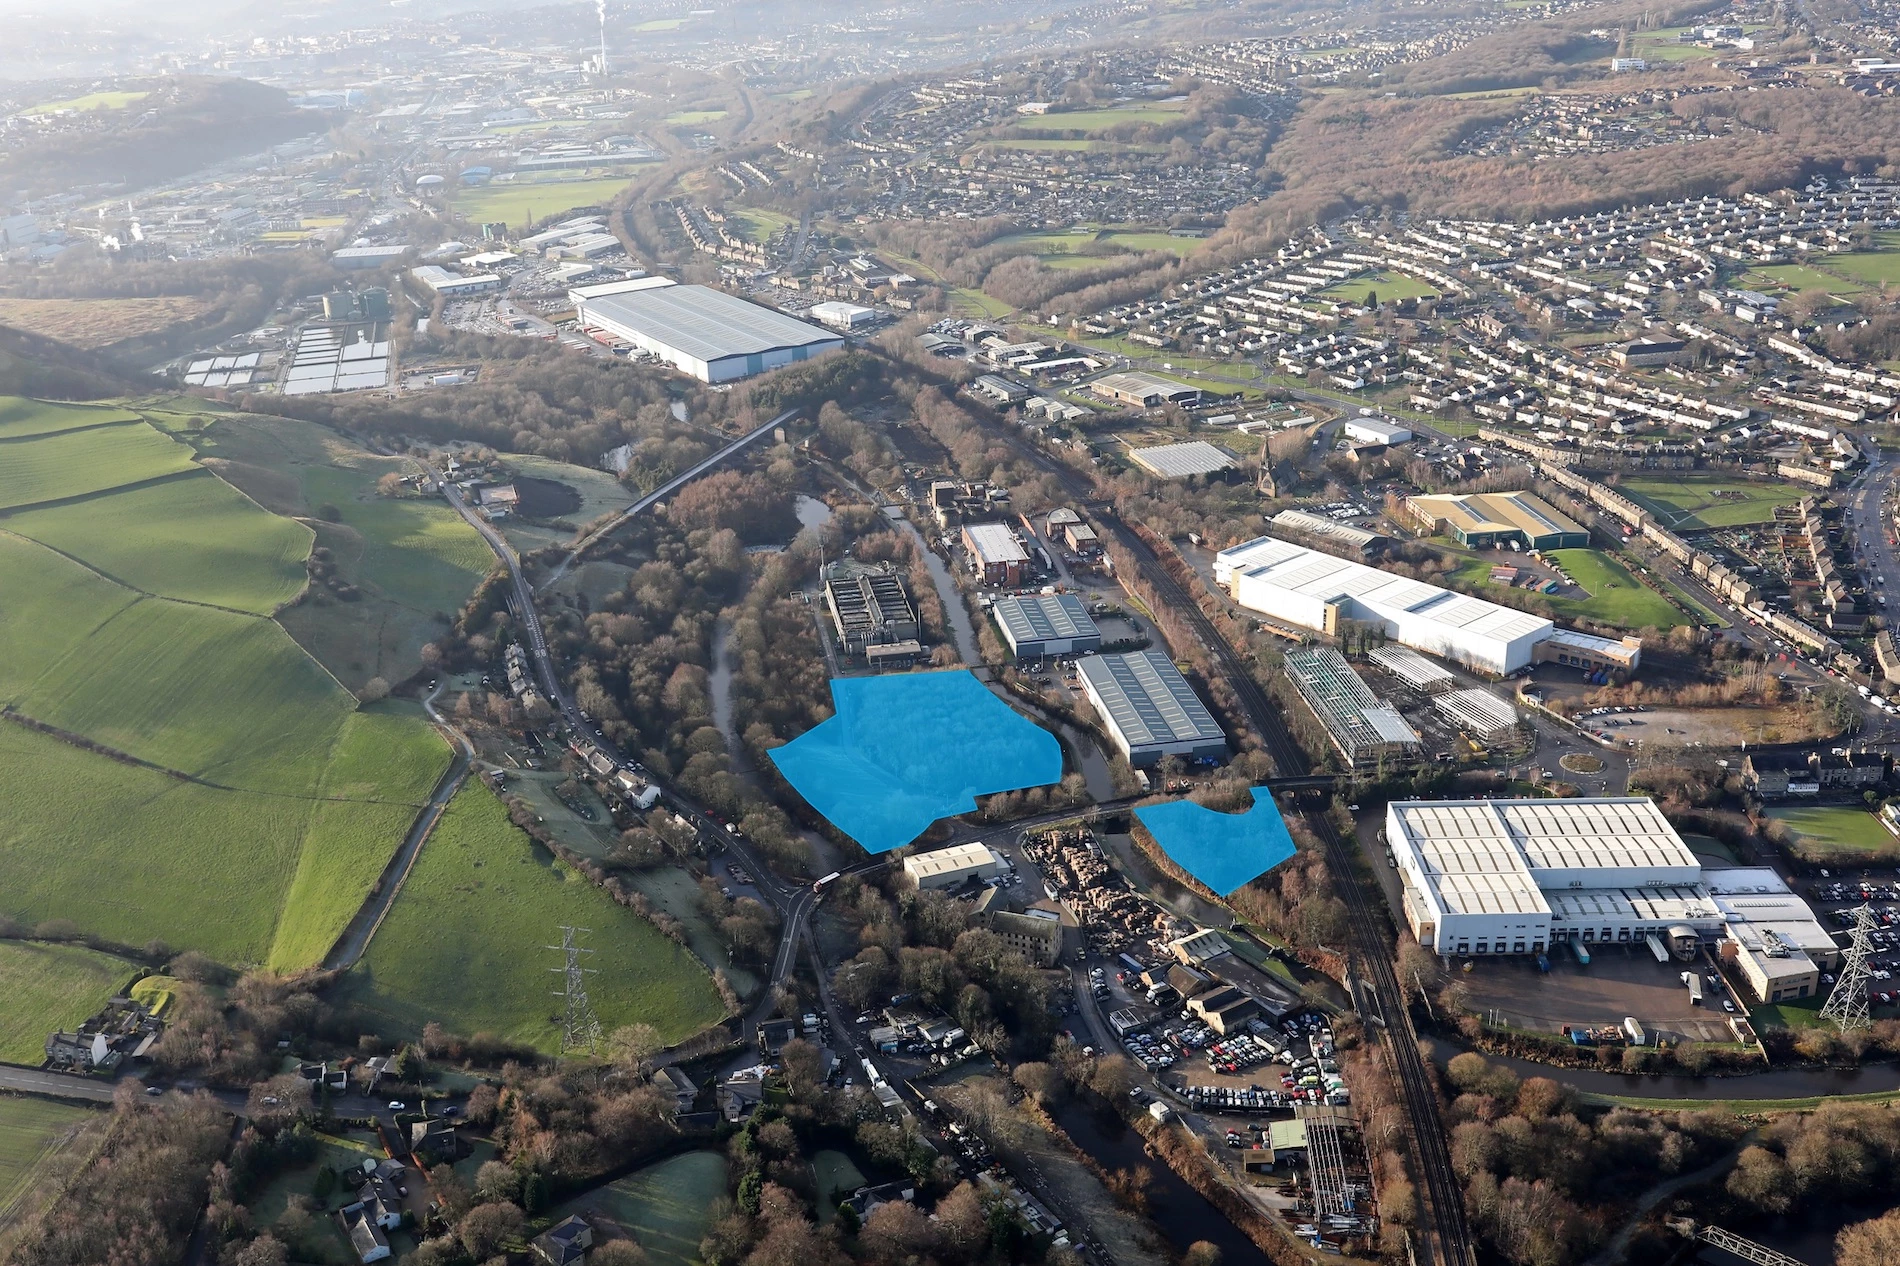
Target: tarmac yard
(1621, 981)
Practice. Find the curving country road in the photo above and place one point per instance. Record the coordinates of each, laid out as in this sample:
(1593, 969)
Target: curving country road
(356, 937)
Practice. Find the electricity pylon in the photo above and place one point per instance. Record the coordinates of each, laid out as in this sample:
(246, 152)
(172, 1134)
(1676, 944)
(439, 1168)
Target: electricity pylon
(580, 1027)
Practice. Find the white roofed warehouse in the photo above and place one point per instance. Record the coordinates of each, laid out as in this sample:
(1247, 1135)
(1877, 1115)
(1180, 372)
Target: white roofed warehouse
(707, 333)
(948, 867)
(1149, 709)
(1304, 587)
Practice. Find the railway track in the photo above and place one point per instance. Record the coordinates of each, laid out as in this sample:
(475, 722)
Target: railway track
(1450, 1241)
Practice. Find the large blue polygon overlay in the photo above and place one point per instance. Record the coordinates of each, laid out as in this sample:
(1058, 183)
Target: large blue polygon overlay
(903, 751)
(1225, 851)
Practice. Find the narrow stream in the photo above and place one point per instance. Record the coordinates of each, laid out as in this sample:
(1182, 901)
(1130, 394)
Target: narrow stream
(962, 631)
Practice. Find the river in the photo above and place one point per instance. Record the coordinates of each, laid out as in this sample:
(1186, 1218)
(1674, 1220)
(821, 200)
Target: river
(1183, 1214)
(1779, 1083)
(955, 613)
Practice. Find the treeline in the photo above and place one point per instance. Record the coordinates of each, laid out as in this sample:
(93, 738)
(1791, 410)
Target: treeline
(135, 1202)
(1543, 1177)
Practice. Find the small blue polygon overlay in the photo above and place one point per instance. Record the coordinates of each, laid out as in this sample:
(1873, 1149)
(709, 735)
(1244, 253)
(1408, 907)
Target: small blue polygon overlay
(903, 751)
(1225, 851)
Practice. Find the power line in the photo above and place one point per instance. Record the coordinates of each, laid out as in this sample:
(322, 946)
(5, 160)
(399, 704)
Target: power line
(580, 1027)
(1847, 1005)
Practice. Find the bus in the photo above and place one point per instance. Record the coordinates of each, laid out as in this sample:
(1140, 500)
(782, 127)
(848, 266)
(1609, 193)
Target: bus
(825, 881)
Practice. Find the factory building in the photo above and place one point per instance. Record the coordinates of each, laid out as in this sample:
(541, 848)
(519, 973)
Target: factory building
(1330, 535)
(707, 333)
(1311, 590)
(1144, 391)
(1488, 520)
(1149, 709)
(995, 553)
(455, 285)
(1376, 431)
(844, 316)
(1042, 624)
(1366, 731)
(948, 867)
(1518, 876)
(872, 613)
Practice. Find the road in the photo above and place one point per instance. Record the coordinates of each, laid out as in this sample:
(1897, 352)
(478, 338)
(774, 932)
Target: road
(356, 937)
(659, 494)
(793, 902)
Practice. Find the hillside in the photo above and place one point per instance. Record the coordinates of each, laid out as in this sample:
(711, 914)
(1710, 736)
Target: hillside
(180, 769)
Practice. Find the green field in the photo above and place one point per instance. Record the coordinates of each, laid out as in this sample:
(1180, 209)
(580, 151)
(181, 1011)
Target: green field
(1063, 248)
(91, 101)
(756, 224)
(1077, 143)
(1099, 120)
(46, 987)
(667, 1206)
(465, 942)
(692, 118)
(32, 1132)
(524, 202)
(273, 803)
(197, 540)
(1387, 285)
(1616, 597)
(1823, 831)
(20, 417)
(77, 463)
(1797, 277)
(1875, 268)
(1691, 501)
(661, 24)
(419, 550)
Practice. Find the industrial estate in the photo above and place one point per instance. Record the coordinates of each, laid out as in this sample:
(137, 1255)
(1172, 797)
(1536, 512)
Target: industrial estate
(1143, 635)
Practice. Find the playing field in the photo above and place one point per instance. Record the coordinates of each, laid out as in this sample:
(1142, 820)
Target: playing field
(1079, 143)
(44, 988)
(465, 942)
(32, 1133)
(1797, 277)
(1875, 268)
(1098, 120)
(1064, 247)
(1693, 501)
(1616, 597)
(1824, 831)
(1386, 285)
(258, 774)
(757, 225)
(529, 202)
(105, 100)
(691, 118)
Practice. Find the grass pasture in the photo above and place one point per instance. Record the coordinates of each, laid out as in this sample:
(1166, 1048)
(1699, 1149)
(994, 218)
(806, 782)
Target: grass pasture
(418, 551)
(272, 804)
(32, 1133)
(530, 201)
(1823, 832)
(98, 323)
(1616, 597)
(693, 118)
(21, 418)
(196, 540)
(667, 1206)
(44, 987)
(66, 464)
(463, 944)
(1692, 501)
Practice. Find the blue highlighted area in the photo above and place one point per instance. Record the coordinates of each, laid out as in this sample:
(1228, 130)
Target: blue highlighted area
(903, 751)
(1225, 851)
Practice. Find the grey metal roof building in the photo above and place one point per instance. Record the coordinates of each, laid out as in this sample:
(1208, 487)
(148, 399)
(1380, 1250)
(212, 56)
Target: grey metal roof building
(1149, 709)
(1046, 624)
(714, 336)
(1364, 729)
(1178, 461)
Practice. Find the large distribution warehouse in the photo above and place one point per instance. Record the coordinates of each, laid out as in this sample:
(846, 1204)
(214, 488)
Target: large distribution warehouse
(1304, 587)
(1149, 709)
(714, 336)
(1520, 876)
